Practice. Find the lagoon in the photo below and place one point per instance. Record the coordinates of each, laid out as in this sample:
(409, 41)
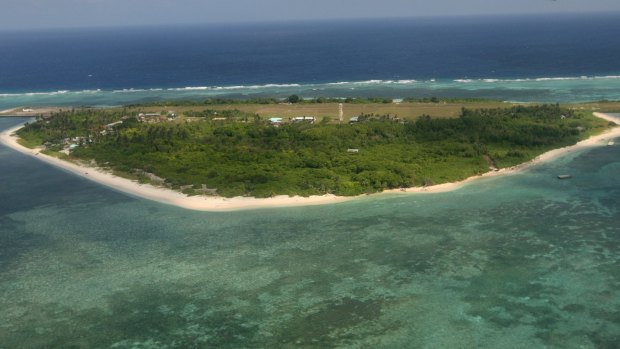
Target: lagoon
(519, 261)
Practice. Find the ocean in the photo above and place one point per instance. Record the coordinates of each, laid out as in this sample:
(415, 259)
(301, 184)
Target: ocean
(519, 261)
(522, 261)
(551, 58)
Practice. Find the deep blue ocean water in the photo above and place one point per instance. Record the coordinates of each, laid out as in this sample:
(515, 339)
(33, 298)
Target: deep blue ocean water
(311, 53)
(553, 58)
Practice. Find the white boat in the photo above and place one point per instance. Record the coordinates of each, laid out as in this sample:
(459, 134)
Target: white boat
(610, 143)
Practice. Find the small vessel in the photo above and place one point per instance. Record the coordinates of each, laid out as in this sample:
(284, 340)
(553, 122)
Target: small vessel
(610, 143)
(564, 176)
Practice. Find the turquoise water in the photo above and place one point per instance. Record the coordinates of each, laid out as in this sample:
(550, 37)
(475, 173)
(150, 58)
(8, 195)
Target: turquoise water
(523, 261)
(550, 90)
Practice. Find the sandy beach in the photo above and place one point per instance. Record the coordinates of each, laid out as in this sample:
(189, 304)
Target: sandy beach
(594, 141)
(219, 204)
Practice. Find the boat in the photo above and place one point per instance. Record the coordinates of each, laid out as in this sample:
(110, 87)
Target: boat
(564, 176)
(610, 143)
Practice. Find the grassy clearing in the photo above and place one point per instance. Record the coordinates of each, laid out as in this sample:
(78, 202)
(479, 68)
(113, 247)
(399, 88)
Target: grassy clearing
(409, 111)
(57, 154)
(29, 142)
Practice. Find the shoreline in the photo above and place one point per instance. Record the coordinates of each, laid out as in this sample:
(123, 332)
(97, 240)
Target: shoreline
(221, 204)
(593, 141)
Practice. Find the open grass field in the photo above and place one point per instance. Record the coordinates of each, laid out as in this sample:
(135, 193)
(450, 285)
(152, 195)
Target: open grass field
(405, 110)
(402, 110)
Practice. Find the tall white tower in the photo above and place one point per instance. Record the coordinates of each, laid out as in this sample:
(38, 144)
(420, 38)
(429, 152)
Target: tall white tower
(340, 113)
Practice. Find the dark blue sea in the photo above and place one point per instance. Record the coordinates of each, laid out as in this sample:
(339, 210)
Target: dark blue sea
(550, 58)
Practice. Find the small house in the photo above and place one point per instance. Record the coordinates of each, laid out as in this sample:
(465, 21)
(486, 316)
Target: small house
(275, 121)
(151, 118)
(354, 119)
(110, 126)
(308, 119)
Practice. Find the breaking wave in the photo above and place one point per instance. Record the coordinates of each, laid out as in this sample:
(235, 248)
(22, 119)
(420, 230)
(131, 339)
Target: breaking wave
(236, 87)
(573, 78)
(172, 92)
(51, 93)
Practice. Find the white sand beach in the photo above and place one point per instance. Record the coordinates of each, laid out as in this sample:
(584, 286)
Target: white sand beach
(164, 195)
(219, 204)
(594, 141)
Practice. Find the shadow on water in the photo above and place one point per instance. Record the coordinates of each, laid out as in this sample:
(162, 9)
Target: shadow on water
(15, 240)
(141, 317)
(148, 317)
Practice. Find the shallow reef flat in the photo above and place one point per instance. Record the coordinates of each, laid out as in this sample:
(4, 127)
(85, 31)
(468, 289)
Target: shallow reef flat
(523, 261)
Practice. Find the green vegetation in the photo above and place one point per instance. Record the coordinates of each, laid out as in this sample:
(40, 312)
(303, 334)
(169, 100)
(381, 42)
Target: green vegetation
(30, 142)
(449, 100)
(295, 99)
(208, 102)
(229, 115)
(56, 154)
(241, 155)
(292, 99)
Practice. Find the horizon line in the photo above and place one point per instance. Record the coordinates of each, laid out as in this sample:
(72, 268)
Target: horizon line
(316, 20)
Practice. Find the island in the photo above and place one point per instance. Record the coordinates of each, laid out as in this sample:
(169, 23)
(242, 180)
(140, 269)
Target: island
(231, 154)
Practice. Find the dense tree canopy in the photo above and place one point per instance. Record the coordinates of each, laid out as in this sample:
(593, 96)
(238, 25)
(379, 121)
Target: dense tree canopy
(243, 155)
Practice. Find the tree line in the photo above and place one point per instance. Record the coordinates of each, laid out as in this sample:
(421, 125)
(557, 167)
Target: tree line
(257, 159)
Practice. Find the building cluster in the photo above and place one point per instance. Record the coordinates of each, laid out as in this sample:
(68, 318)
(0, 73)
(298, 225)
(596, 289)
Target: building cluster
(372, 117)
(68, 144)
(277, 121)
(153, 118)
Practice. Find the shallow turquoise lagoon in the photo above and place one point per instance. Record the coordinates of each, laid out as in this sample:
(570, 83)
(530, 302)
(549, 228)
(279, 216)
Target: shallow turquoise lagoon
(523, 261)
(548, 90)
